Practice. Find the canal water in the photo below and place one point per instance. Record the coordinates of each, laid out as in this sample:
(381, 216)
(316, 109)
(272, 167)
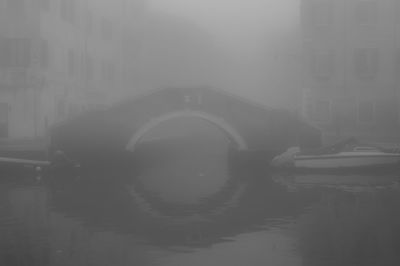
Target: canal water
(191, 204)
(188, 213)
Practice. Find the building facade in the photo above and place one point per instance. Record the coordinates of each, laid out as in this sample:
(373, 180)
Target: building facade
(352, 61)
(283, 71)
(59, 57)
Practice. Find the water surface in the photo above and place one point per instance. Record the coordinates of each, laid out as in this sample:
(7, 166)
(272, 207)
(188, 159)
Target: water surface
(199, 210)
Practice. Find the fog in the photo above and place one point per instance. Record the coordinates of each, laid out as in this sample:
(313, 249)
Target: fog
(234, 20)
(241, 39)
(90, 54)
(61, 59)
(199, 132)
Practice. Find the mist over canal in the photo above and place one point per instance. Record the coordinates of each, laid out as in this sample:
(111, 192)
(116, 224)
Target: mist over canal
(191, 206)
(199, 132)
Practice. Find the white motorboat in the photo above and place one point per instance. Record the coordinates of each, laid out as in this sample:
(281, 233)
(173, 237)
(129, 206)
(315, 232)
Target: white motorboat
(346, 154)
(359, 156)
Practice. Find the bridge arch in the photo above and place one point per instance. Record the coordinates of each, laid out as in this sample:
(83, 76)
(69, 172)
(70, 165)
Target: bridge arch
(219, 122)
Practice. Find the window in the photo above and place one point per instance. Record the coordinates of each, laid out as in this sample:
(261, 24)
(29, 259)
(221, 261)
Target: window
(111, 72)
(61, 108)
(64, 9)
(397, 7)
(322, 111)
(67, 10)
(89, 67)
(104, 70)
(108, 71)
(322, 64)
(366, 12)
(397, 64)
(45, 4)
(71, 62)
(16, 6)
(89, 22)
(322, 13)
(15, 52)
(365, 112)
(72, 9)
(106, 29)
(44, 54)
(307, 103)
(4, 120)
(366, 62)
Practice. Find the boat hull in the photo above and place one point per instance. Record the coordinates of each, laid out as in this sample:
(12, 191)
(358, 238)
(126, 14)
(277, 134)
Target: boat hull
(334, 162)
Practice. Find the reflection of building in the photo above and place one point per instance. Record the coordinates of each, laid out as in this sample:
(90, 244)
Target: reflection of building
(57, 58)
(352, 54)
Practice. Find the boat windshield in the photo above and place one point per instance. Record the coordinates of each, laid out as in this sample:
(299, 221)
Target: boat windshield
(365, 149)
(334, 148)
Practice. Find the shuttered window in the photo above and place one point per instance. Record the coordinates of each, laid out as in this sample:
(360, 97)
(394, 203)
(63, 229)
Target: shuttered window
(16, 6)
(365, 112)
(44, 54)
(106, 29)
(67, 10)
(45, 4)
(366, 62)
(322, 111)
(322, 13)
(4, 120)
(15, 52)
(322, 64)
(71, 59)
(89, 67)
(366, 12)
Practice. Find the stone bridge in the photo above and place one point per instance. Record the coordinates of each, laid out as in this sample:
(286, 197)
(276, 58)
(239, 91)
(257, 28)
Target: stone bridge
(250, 126)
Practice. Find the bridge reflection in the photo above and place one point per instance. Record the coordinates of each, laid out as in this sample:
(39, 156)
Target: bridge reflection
(133, 207)
(94, 220)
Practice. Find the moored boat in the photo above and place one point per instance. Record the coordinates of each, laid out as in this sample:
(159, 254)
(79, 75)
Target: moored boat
(358, 157)
(348, 154)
